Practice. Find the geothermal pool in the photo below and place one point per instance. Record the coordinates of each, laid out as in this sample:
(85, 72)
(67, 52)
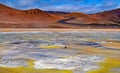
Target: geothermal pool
(77, 51)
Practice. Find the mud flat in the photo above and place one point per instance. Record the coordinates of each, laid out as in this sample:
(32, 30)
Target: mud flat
(74, 52)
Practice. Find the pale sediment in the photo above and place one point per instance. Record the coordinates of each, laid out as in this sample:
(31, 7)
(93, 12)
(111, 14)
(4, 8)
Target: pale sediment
(81, 62)
(36, 46)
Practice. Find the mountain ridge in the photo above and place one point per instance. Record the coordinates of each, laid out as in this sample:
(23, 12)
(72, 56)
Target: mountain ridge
(36, 18)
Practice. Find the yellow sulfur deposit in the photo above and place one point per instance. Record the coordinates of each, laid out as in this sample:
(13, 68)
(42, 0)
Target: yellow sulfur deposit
(52, 46)
(108, 66)
(30, 69)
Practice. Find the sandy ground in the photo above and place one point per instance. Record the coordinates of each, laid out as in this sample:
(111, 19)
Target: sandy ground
(53, 30)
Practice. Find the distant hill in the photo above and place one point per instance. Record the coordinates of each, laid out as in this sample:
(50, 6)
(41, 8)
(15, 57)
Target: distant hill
(36, 18)
(113, 15)
(57, 12)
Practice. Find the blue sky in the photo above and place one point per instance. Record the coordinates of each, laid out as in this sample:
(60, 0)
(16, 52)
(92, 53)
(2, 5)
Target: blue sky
(86, 6)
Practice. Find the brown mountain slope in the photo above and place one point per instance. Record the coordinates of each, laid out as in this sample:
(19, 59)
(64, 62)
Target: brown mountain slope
(82, 18)
(113, 15)
(10, 17)
(108, 19)
(4, 10)
(36, 18)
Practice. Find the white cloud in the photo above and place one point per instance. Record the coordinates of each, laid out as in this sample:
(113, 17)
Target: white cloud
(61, 8)
(87, 6)
(26, 2)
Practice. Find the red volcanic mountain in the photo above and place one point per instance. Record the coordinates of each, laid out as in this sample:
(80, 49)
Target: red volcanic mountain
(113, 15)
(110, 17)
(36, 18)
(10, 17)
